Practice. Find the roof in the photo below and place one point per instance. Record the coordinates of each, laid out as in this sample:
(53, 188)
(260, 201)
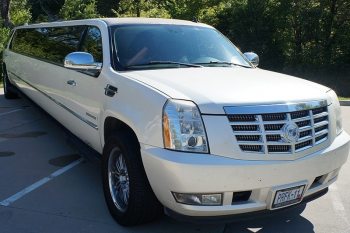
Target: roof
(117, 21)
(121, 21)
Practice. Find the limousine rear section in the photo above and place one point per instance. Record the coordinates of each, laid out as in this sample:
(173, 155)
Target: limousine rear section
(182, 119)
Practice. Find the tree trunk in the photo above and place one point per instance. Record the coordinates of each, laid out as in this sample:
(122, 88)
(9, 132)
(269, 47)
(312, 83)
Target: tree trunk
(138, 8)
(297, 33)
(329, 29)
(5, 13)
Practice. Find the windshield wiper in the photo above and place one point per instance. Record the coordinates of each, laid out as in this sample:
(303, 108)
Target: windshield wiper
(222, 63)
(165, 63)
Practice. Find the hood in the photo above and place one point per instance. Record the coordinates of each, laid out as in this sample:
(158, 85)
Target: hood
(212, 88)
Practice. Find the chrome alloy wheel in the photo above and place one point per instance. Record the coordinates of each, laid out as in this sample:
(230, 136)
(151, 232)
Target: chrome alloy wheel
(118, 178)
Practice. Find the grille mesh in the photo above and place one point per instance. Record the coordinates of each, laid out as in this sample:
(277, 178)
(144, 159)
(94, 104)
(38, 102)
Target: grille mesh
(273, 138)
(303, 123)
(247, 138)
(238, 117)
(274, 117)
(305, 133)
(263, 133)
(242, 128)
(273, 127)
(252, 148)
(299, 114)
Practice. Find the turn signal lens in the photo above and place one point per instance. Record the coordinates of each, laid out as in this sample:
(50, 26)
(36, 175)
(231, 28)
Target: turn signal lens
(199, 199)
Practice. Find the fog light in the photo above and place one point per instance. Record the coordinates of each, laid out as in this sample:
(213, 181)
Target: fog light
(199, 199)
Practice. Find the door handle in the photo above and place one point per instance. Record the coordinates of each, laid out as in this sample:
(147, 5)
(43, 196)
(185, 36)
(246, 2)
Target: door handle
(71, 82)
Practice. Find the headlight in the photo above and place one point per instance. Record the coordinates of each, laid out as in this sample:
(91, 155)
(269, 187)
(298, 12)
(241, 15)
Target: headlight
(183, 128)
(336, 106)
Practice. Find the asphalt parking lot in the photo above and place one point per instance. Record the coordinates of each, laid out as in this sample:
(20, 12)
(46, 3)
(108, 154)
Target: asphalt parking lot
(50, 183)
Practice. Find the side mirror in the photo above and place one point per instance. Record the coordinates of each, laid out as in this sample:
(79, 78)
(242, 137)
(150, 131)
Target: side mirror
(81, 61)
(252, 57)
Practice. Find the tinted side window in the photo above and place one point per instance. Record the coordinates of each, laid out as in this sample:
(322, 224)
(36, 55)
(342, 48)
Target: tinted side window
(28, 42)
(51, 44)
(62, 41)
(93, 43)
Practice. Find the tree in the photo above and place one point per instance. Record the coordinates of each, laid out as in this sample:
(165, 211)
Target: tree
(105, 7)
(141, 8)
(20, 14)
(46, 10)
(190, 9)
(5, 13)
(79, 9)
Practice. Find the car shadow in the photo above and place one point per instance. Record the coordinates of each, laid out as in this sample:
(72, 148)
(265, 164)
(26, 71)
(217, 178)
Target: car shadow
(287, 221)
(283, 222)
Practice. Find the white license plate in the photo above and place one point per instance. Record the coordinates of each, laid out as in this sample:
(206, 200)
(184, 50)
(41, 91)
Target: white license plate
(289, 196)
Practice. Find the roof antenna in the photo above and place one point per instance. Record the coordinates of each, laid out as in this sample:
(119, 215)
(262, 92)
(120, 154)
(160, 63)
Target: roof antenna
(195, 20)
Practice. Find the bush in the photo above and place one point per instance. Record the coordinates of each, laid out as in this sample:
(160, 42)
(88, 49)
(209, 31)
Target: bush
(4, 33)
(335, 76)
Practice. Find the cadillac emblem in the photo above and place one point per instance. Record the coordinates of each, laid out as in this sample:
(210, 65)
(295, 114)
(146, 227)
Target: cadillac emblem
(290, 132)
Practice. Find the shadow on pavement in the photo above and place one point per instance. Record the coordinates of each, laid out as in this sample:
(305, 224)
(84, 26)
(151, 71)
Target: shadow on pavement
(287, 221)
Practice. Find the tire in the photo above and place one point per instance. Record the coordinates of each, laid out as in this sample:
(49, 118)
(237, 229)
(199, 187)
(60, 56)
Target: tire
(9, 89)
(142, 205)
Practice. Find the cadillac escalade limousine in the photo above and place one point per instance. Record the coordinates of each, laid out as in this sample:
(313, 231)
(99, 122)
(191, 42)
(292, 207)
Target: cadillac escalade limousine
(185, 123)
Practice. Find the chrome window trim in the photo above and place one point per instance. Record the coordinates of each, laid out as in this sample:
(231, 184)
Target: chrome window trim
(275, 108)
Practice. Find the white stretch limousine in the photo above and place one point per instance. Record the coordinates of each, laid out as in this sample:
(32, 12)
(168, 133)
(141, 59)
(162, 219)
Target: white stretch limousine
(184, 121)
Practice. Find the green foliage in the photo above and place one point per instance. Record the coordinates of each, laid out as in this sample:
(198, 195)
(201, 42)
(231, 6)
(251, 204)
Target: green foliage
(79, 9)
(141, 8)
(307, 38)
(105, 7)
(45, 10)
(20, 12)
(192, 9)
(4, 34)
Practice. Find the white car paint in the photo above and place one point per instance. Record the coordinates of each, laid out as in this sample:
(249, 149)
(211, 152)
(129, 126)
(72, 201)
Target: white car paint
(139, 103)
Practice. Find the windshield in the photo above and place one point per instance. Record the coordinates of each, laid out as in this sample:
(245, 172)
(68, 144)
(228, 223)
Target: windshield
(173, 46)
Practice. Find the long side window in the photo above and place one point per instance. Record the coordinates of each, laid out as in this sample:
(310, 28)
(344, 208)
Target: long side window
(92, 43)
(51, 44)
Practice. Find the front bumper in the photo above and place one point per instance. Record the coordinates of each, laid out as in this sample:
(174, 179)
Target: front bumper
(170, 171)
(298, 208)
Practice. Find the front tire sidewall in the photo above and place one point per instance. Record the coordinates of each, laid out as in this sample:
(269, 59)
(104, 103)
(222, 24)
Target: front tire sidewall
(105, 174)
(143, 205)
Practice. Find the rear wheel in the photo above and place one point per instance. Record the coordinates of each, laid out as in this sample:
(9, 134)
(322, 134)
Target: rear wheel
(128, 194)
(9, 89)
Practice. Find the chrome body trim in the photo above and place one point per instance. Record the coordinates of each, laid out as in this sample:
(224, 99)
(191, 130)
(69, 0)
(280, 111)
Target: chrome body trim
(275, 108)
(59, 104)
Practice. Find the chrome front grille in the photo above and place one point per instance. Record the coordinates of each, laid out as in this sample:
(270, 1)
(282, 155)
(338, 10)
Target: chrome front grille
(263, 130)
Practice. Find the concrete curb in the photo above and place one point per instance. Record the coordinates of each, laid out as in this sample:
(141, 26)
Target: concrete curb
(344, 102)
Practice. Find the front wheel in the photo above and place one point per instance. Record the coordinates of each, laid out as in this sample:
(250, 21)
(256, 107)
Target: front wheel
(128, 194)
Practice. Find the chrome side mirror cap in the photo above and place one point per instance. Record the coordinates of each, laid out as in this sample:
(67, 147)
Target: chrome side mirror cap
(81, 61)
(252, 57)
